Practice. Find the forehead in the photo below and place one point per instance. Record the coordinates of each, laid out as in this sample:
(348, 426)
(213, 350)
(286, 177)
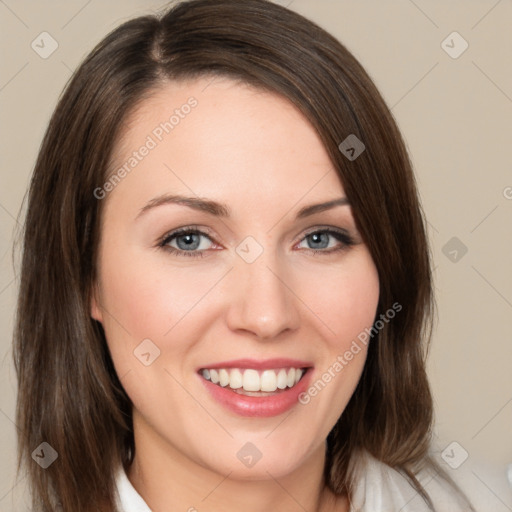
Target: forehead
(216, 136)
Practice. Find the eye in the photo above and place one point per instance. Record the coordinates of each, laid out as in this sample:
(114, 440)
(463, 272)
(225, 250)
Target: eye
(327, 240)
(193, 242)
(186, 242)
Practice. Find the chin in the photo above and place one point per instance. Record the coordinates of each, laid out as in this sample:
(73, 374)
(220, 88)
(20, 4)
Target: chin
(259, 458)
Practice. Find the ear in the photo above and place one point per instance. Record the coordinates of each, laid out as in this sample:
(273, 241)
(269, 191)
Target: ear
(96, 312)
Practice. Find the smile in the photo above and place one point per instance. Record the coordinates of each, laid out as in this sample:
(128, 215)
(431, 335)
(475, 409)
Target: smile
(252, 382)
(247, 387)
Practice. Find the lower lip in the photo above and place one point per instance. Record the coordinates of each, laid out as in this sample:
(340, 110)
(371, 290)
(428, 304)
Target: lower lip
(258, 406)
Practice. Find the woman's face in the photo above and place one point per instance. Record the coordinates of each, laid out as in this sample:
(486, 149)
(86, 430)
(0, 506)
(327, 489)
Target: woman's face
(260, 288)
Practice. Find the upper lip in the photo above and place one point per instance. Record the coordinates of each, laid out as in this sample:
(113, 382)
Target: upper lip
(261, 364)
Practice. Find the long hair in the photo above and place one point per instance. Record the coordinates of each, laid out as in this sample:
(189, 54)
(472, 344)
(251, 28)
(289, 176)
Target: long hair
(69, 395)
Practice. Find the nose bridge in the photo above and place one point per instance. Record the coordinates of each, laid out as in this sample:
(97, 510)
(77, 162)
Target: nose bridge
(264, 304)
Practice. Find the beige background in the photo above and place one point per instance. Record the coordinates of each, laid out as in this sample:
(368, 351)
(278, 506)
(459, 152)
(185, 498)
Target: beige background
(456, 116)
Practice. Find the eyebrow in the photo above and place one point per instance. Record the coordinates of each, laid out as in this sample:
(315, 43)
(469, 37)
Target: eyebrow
(221, 210)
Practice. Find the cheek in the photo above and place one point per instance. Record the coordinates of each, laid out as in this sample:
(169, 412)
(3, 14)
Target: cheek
(148, 297)
(344, 307)
(344, 299)
(144, 299)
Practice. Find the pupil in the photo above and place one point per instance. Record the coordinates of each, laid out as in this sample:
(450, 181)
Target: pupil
(189, 241)
(321, 239)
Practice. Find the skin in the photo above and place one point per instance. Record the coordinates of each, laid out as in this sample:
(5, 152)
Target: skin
(254, 152)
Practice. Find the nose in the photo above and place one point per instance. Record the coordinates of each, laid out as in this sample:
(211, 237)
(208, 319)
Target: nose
(263, 301)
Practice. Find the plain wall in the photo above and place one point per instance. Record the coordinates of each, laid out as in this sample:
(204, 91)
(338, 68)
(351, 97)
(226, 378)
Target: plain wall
(456, 116)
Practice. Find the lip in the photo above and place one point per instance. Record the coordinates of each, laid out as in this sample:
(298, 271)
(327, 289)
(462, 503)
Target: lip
(259, 406)
(266, 364)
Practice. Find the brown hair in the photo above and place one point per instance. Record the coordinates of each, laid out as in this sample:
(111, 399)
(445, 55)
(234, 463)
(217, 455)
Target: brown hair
(69, 394)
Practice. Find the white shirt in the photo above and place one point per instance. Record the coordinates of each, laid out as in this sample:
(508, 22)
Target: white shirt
(379, 488)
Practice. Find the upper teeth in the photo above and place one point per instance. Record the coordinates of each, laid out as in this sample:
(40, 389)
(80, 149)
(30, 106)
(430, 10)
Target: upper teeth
(253, 380)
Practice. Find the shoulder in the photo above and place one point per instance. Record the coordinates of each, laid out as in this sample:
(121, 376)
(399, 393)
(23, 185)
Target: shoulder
(379, 488)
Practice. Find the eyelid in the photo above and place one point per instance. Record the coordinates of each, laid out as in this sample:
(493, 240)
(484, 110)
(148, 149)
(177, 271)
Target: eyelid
(200, 230)
(314, 229)
(328, 229)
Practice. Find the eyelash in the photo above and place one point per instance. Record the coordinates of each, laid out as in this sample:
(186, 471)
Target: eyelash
(343, 237)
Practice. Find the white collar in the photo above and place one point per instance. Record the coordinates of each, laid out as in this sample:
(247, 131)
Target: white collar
(129, 500)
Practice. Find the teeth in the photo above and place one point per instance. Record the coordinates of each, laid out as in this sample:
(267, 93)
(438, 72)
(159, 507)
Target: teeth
(291, 377)
(236, 379)
(214, 376)
(268, 380)
(252, 380)
(282, 379)
(223, 378)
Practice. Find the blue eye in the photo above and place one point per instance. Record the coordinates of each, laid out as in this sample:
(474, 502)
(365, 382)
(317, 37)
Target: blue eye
(187, 242)
(327, 240)
(195, 243)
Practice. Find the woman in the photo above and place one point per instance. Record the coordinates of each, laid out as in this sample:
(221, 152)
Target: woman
(226, 289)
